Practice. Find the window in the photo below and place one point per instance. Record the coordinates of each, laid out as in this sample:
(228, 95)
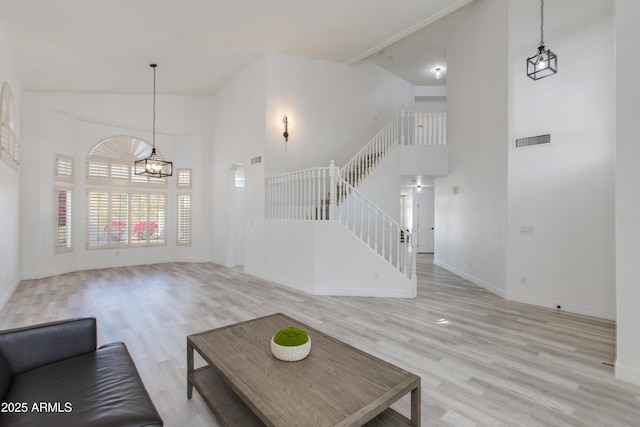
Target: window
(117, 218)
(184, 179)
(184, 208)
(110, 162)
(125, 219)
(9, 144)
(184, 219)
(64, 219)
(64, 168)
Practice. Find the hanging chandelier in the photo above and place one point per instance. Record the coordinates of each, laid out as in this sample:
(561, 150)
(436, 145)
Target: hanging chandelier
(154, 165)
(544, 63)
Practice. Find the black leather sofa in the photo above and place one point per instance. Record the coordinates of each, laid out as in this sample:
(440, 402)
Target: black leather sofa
(53, 375)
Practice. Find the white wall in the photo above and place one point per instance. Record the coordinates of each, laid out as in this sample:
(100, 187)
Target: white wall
(430, 160)
(470, 226)
(9, 190)
(564, 190)
(345, 265)
(72, 124)
(333, 110)
(627, 177)
(431, 103)
(382, 185)
(238, 122)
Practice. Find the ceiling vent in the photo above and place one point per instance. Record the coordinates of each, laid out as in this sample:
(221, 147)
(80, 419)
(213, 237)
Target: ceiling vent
(532, 141)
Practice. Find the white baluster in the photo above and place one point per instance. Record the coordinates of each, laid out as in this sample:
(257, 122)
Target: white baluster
(391, 240)
(353, 215)
(397, 243)
(332, 188)
(361, 218)
(369, 224)
(382, 231)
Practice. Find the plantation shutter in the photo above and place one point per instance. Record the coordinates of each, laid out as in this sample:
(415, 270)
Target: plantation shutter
(157, 209)
(64, 219)
(98, 219)
(184, 219)
(64, 168)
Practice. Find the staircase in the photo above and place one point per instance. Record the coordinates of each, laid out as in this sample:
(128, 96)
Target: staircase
(331, 193)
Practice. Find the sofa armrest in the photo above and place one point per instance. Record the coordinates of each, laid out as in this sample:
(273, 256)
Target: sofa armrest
(34, 346)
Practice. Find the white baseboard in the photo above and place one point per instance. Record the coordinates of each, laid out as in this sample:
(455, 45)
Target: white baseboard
(304, 287)
(88, 267)
(541, 302)
(485, 285)
(5, 298)
(223, 262)
(566, 306)
(372, 292)
(628, 374)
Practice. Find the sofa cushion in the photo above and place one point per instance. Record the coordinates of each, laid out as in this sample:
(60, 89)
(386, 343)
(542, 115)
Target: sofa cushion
(34, 346)
(101, 388)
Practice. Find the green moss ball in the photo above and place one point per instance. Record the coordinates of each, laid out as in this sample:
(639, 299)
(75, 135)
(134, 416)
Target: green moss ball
(290, 336)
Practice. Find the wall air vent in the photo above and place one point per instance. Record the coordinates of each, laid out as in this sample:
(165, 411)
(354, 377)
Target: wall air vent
(532, 141)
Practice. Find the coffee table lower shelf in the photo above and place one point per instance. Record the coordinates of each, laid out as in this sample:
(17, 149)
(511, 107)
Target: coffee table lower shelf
(230, 410)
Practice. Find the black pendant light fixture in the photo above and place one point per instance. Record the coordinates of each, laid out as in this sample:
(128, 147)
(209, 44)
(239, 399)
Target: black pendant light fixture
(154, 165)
(544, 63)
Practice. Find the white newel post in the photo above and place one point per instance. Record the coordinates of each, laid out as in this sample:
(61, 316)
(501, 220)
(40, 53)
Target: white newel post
(332, 189)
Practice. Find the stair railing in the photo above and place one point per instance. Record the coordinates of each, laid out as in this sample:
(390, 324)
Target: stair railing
(299, 195)
(374, 227)
(423, 127)
(330, 193)
(406, 128)
(322, 194)
(356, 169)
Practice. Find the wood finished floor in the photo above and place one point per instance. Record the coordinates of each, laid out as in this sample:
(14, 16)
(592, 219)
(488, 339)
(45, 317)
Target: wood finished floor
(483, 361)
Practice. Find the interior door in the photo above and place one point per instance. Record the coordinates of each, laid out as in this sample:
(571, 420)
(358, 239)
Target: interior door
(425, 223)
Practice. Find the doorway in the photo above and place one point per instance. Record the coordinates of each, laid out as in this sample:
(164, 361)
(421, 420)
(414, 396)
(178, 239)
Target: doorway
(424, 220)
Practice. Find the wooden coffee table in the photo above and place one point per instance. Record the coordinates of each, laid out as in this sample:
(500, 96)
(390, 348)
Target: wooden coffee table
(336, 385)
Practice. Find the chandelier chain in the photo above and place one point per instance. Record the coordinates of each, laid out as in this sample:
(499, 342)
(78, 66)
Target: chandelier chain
(541, 22)
(153, 134)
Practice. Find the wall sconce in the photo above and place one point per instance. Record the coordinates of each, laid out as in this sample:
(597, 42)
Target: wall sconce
(286, 128)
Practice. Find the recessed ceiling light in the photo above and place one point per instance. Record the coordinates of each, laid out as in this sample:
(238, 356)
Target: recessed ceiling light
(439, 71)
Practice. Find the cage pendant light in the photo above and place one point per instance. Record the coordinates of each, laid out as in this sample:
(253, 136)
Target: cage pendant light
(154, 165)
(544, 63)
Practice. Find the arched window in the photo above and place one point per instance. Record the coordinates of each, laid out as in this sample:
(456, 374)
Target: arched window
(123, 218)
(9, 144)
(111, 162)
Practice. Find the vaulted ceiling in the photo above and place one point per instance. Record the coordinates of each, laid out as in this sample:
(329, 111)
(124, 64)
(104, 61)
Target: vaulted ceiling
(106, 45)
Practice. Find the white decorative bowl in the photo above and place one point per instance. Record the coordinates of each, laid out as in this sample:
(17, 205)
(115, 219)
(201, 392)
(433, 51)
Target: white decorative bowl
(290, 353)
